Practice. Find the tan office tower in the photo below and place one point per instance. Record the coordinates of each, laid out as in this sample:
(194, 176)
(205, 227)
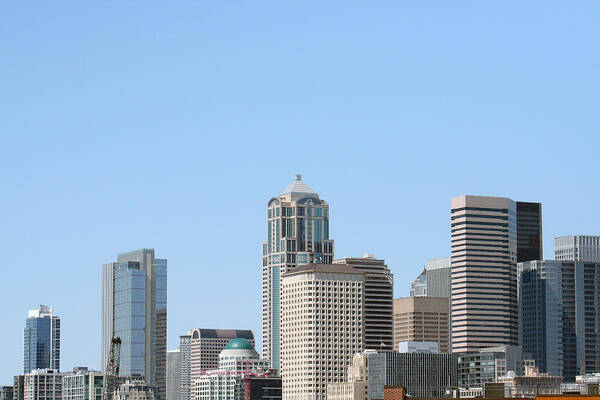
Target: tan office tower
(321, 327)
(379, 299)
(297, 234)
(484, 273)
(421, 319)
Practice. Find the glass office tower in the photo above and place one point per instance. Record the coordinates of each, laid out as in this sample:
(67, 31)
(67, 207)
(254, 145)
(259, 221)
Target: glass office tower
(134, 308)
(41, 340)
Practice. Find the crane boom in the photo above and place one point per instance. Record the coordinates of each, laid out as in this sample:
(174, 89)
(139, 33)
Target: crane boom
(112, 368)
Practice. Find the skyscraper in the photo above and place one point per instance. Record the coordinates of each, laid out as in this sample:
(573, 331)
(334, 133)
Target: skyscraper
(559, 316)
(584, 248)
(379, 301)
(173, 374)
(297, 234)
(41, 340)
(529, 231)
(185, 354)
(421, 319)
(134, 308)
(484, 273)
(322, 325)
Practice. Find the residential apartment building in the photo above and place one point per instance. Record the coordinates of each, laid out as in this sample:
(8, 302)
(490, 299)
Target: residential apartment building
(322, 327)
(83, 384)
(297, 235)
(43, 384)
(173, 371)
(41, 340)
(559, 316)
(421, 319)
(379, 301)
(134, 308)
(584, 248)
(207, 344)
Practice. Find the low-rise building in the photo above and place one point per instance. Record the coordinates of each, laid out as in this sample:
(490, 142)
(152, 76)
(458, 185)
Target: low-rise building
(135, 389)
(82, 384)
(533, 383)
(43, 384)
(357, 386)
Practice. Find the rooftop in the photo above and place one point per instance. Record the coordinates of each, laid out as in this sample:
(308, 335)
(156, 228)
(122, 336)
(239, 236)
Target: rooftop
(298, 187)
(331, 268)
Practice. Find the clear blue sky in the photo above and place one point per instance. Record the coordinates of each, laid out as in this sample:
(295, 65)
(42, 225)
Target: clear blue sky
(170, 124)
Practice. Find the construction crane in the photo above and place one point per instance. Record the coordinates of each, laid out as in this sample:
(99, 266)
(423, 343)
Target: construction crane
(111, 376)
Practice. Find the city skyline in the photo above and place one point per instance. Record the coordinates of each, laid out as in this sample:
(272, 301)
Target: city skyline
(171, 126)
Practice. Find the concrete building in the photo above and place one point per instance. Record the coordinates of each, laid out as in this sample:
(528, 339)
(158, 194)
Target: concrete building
(297, 235)
(135, 389)
(322, 311)
(532, 383)
(41, 340)
(206, 346)
(379, 301)
(173, 371)
(237, 361)
(43, 384)
(185, 365)
(421, 319)
(423, 375)
(357, 385)
(83, 384)
(484, 273)
(6, 392)
(134, 308)
(583, 248)
(559, 316)
(439, 275)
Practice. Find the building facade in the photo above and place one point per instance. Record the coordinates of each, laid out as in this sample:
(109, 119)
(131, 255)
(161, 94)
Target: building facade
(43, 384)
(484, 273)
(135, 389)
(185, 365)
(41, 340)
(297, 235)
(559, 316)
(421, 319)
(529, 231)
(584, 248)
(83, 384)
(6, 392)
(477, 368)
(418, 287)
(206, 346)
(379, 301)
(423, 375)
(357, 385)
(134, 308)
(19, 387)
(237, 361)
(322, 325)
(173, 371)
(262, 388)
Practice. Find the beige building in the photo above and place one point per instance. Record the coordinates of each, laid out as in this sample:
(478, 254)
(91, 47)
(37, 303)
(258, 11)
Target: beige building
(321, 327)
(421, 319)
(357, 387)
(135, 389)
(43, 384)
(484, 273)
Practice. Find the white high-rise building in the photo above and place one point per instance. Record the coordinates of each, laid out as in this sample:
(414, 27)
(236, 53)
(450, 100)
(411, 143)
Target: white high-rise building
(322, 327)
(297, 234)
(583, 248)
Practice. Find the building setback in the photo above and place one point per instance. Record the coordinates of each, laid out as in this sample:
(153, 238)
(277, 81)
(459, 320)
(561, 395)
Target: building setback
(584, 248)
(173, 371)
(379, 301)
(559, 317)
(421, 319)
(134, 308)
(484, 273)
(297, 234)
(322, 311)
(207, 344)
(41, 340)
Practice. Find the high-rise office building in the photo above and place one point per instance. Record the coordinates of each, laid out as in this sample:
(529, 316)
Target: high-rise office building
(322, 325)
(41, 340)
(583, 248)
(185, 366)
(83, 384)
(43, 384)
(439, 277)
(173, 370)
(134, 308)
(379, 301)
(421, 319)
(297, 234)
(484, 273)
(529, 231)
(418, 287)
(559, 316)
(205, 347)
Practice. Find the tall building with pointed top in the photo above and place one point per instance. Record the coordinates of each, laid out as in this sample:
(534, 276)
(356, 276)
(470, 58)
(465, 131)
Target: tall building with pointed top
(41, 340)
(297, 235)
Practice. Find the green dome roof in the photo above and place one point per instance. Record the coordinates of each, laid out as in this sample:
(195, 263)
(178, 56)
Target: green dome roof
(239, 344)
